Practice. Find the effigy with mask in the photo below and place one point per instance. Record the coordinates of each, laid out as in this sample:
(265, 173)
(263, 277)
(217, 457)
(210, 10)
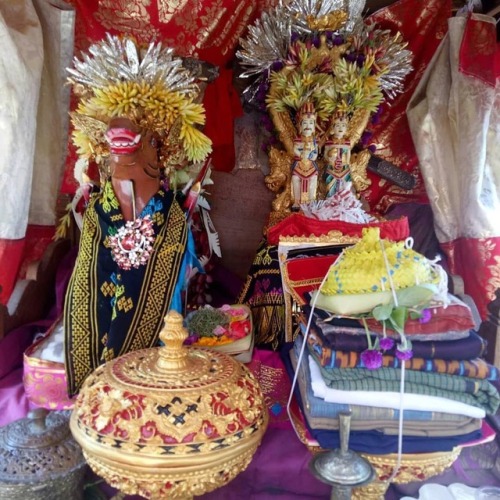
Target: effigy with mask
(138, 118)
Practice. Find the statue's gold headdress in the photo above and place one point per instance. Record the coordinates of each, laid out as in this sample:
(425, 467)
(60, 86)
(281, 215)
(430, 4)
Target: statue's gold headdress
(151, 87)
(321, 50)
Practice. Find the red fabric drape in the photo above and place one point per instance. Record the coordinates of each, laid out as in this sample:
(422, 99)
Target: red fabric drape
(16, 255)
(423, 25)
(11, 252)
(477, 261)
(479, 55)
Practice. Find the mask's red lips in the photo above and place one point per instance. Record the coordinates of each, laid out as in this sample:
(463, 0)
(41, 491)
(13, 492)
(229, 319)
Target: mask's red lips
(123, 141)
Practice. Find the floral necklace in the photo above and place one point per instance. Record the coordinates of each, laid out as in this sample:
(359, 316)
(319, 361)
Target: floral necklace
(132, 244)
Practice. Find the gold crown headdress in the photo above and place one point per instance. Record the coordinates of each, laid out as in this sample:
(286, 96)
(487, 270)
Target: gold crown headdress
(150, 87)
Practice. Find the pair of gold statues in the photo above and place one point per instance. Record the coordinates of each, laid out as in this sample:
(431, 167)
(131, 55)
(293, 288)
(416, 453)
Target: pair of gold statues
(336, 155)
(315, 164)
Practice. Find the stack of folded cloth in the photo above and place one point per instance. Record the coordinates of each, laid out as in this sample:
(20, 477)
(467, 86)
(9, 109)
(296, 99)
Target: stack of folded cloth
(447, 386)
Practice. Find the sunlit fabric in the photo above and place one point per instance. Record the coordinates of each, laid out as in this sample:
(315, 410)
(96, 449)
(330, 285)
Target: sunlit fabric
(454, 117)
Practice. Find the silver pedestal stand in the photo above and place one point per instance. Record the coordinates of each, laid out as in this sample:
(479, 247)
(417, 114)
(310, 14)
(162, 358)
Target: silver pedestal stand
(343, 469)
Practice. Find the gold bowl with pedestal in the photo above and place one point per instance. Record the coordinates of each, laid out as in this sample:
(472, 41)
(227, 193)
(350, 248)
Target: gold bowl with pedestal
(172, 421)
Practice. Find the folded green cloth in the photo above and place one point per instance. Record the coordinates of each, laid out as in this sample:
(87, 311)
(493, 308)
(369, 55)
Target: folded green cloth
(472, 391)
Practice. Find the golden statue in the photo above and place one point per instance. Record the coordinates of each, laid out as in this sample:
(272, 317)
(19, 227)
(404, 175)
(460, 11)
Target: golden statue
(304, 166)
(337, 154)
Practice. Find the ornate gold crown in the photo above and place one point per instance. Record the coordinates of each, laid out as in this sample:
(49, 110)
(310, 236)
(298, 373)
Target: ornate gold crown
(150, 87)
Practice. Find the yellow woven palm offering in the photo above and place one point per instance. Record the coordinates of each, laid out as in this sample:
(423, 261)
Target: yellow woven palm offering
(361, 277)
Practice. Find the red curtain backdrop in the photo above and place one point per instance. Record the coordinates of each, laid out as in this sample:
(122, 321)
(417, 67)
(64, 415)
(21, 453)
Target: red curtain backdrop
(210, 30)
(205, 29)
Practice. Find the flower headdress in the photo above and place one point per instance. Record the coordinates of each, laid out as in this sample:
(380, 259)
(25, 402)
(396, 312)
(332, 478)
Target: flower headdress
(151, 87)
(322, 51)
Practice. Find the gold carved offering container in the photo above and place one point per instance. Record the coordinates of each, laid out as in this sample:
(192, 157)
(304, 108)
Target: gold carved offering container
(172, 421)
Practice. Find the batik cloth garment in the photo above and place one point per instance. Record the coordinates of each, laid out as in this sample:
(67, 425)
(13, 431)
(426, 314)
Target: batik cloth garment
(108, 310)
(454, 116)
(374, 442)
(331, 358)
(470, 347)
(262, 292)
(381, 399)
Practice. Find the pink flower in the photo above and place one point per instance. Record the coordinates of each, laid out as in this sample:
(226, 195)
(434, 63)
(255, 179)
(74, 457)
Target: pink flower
(219, 331)
(372, 359)
(240, 329)
(386, 343)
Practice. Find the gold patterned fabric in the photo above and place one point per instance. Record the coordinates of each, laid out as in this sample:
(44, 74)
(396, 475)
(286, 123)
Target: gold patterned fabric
(423, 25)
(110, 311)
(263, 294)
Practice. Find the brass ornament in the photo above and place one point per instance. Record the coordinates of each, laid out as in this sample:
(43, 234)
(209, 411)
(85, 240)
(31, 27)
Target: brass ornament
(333, 237)
(331, 21)
(173, 421)
(358, 165)
(321, 52)
(40, 459)
(280, 160)
(414, 467)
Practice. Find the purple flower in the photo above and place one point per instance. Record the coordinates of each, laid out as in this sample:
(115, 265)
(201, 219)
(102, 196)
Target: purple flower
(372, 148)
(276, 66)
(315, 41)
(295, 36)
(191, 339)
(372, 359)
(386, 343)
(375, 118)
(338, 40)
(365, 137)
(403, 354)
(426, 316)
(351, 56)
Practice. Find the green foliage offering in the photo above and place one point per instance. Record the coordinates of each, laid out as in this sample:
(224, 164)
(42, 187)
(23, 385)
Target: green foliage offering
(204, 321)
(409, 301)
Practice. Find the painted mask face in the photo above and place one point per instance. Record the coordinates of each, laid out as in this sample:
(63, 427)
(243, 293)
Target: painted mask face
(123, 136)
(308, 125)
(130, 145)
(339, 128)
